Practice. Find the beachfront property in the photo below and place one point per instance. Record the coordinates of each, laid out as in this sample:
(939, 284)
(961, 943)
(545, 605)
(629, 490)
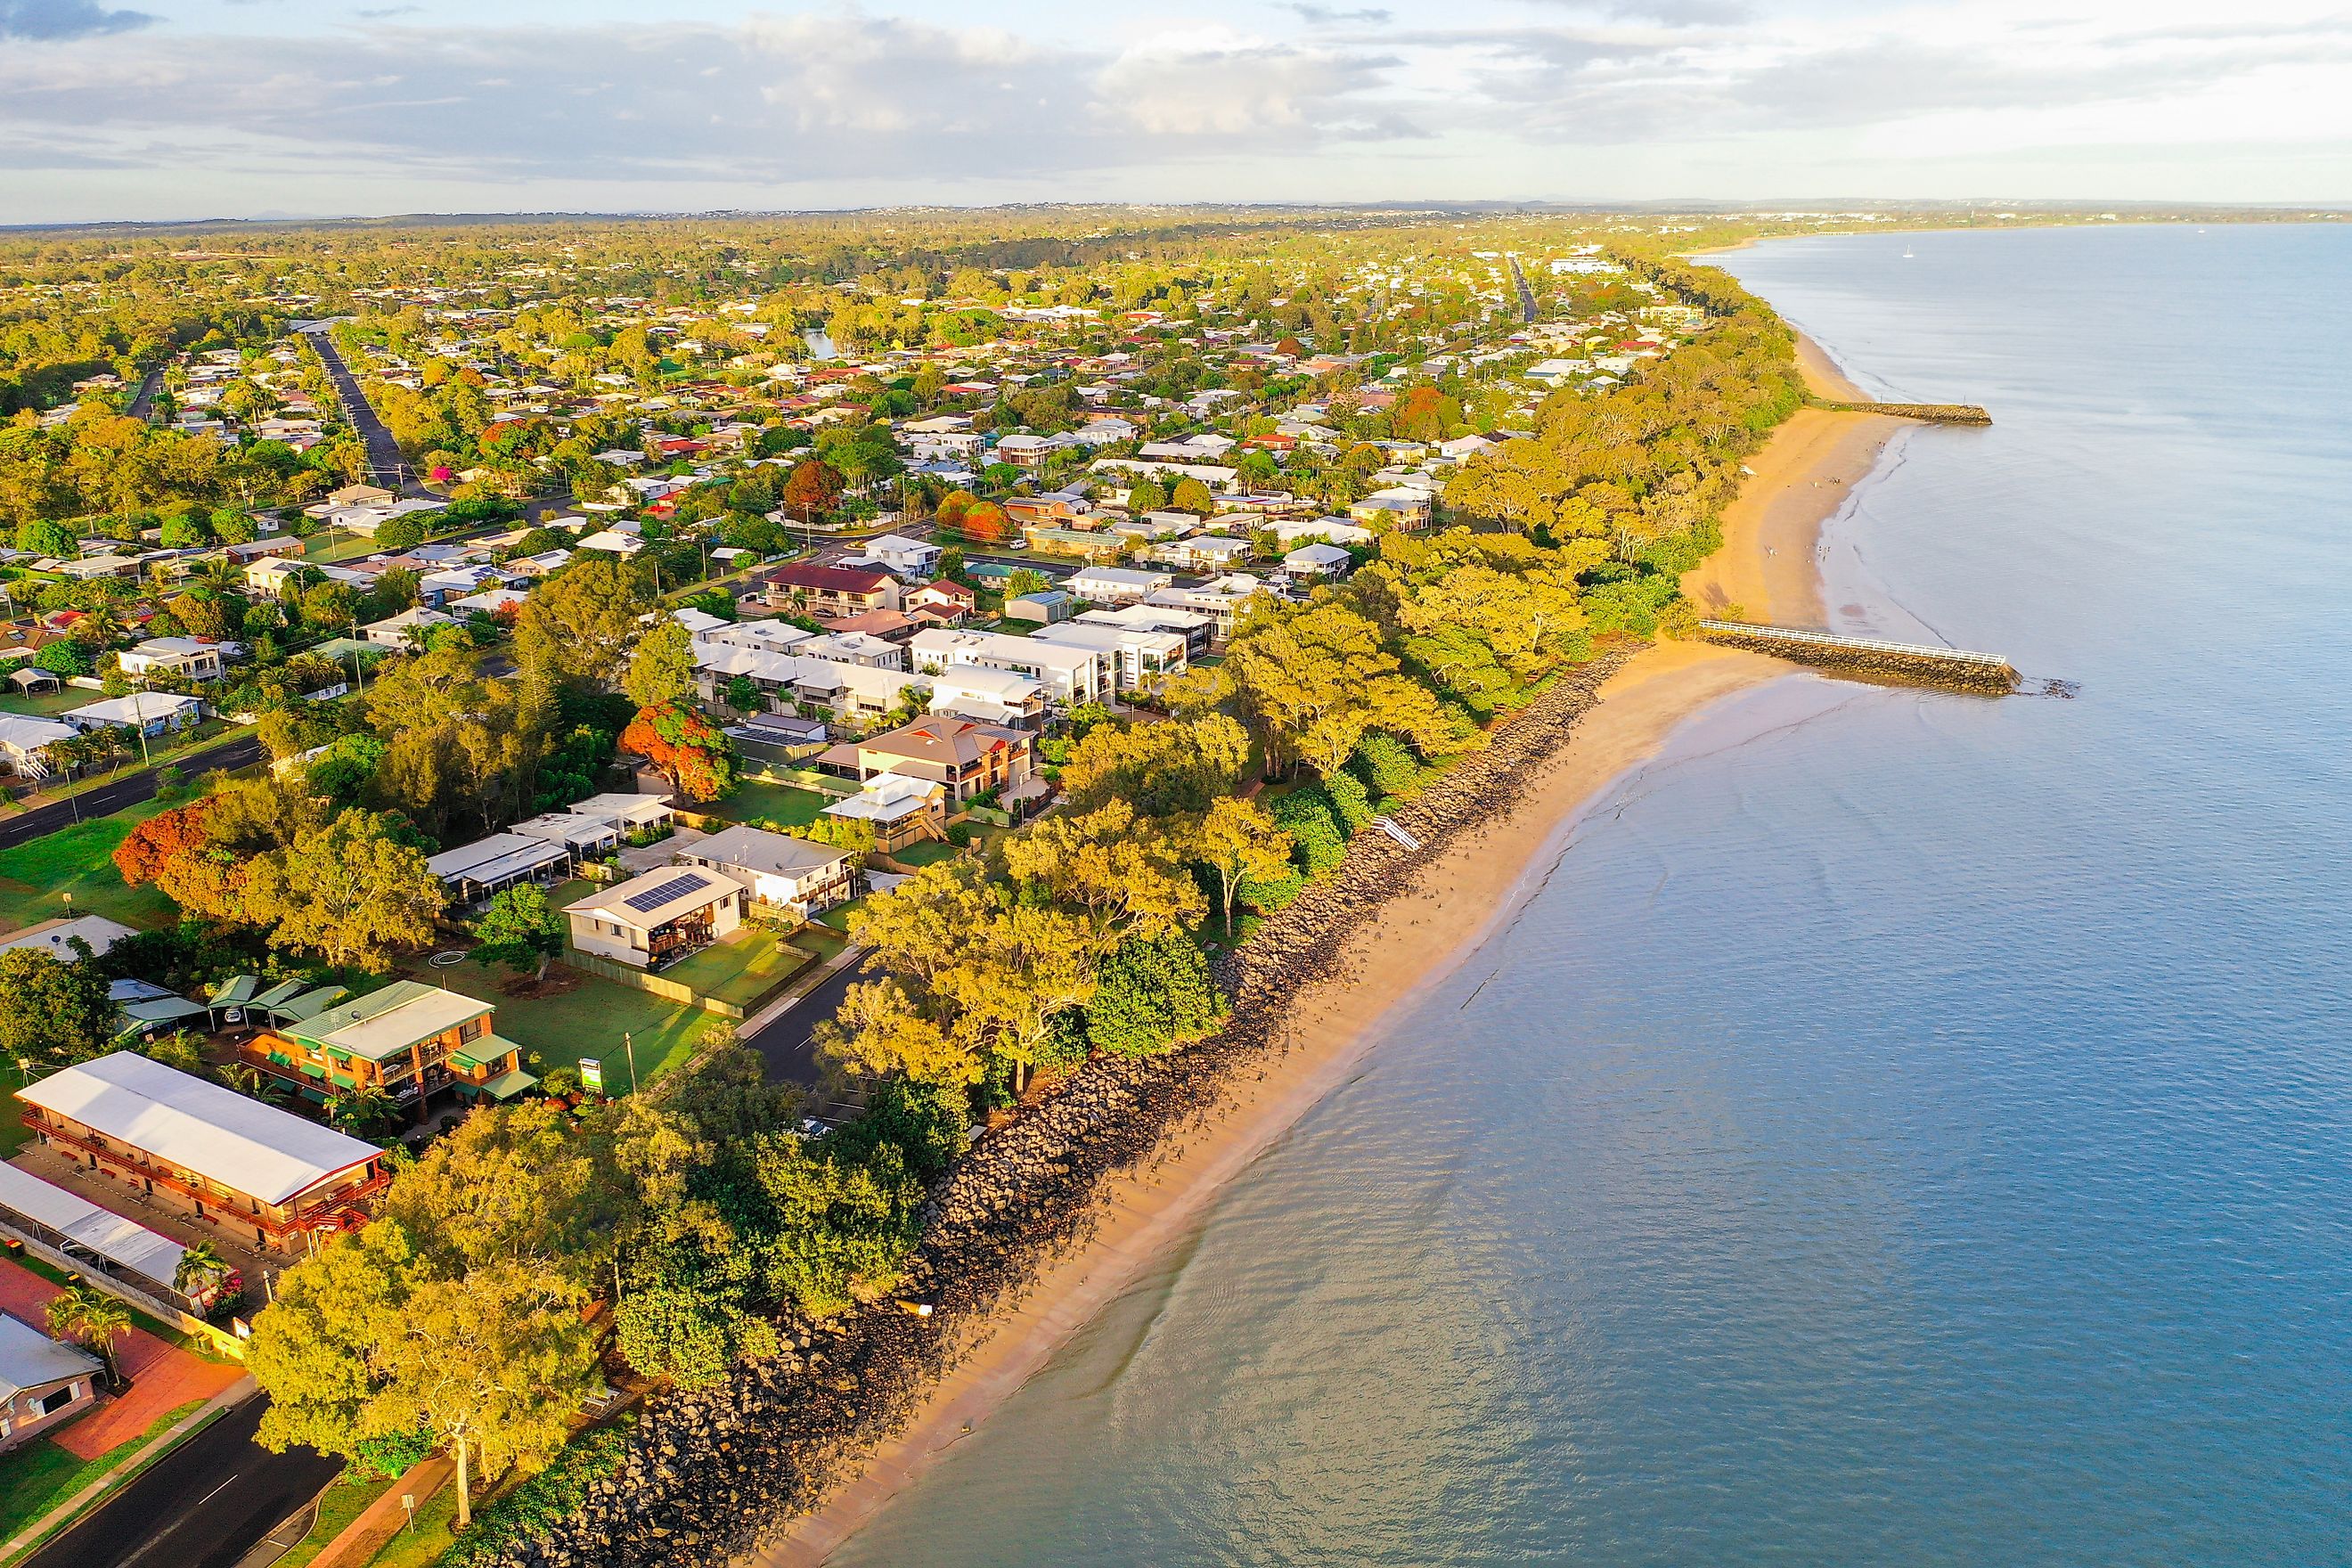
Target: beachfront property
(43, 1383)
(963, 757)
(800, 878)
(900, 809)
(653, 920)
(1069, 675)
(263, 1177)
(152, 713)
(409, 1041)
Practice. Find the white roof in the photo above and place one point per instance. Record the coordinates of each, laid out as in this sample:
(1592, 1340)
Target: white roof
(134, 708)
(887, 797)
(29, 1358)
(198, 1126)
(634, 810)
(490, 859)
(25, 732)
(53, 937)
(111, 1237)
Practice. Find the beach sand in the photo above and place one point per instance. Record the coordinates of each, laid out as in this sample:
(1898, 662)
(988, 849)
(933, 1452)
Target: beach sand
(1767, 567)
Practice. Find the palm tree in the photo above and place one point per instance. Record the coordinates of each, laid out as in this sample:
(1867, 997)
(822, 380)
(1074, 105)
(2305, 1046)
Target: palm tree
(98, 1320)
(360, 1109)
(201, 1266)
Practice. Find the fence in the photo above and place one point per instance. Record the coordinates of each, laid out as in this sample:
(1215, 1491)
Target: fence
(93, 1273)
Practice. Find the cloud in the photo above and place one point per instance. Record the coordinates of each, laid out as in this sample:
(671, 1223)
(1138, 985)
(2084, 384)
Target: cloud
(1326, 17)
(1683, 13)
(60, 19)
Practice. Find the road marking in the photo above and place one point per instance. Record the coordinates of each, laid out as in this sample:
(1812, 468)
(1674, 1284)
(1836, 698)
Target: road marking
(215, 1493)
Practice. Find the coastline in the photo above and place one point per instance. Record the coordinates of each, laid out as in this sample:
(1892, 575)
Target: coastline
(1460, 893)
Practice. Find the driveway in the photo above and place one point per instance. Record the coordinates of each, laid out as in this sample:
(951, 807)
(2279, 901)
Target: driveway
(163, 1376)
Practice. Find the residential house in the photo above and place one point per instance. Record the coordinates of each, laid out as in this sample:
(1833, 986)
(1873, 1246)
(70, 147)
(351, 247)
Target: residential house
(831, 590)
(796, 876)
(901, 808)
(1044, 606)
(962, 756)
(990, 696)
(1317, 562)
(392, 632)
(1400, 508)
(944, 601)
(472, 872)
(653, 921)
(1136, 655)
(408, 1041)
(25, 741)
(1201, 552)
(1070, 676)
(43, 1383)
(1079, 544)
(228, 1160)
(904, 557)
(56, 937)
(183, 656)
(1116, 585)
(152, 713)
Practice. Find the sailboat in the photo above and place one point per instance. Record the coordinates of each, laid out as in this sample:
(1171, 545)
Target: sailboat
(1907, 253)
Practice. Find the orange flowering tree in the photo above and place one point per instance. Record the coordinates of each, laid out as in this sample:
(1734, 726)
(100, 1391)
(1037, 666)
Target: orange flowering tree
(691, 751)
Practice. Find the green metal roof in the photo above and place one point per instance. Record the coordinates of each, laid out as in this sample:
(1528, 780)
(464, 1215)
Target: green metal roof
(487, 1051)
(507, 1085)
(236, 991)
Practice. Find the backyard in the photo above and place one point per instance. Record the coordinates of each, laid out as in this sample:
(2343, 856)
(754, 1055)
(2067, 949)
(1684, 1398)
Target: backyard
(72, 871)
(785, 805)
(586, 1015)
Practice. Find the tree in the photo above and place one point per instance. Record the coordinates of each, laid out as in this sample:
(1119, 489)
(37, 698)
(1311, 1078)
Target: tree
(1241, 843)
(743, 695)
(352, 891)
(362, 1111)
(54, 1012)
(199, 1271)
(662, 669)
(1124, 870)
(65, 658)
(85, 1313)
(520, 929)
(878, 1030)
(1153, 994)
(46, 537)
(1190, 495)
(396, 533)
(1146, 495)
(986, 523)
(581, 621)
(1160, 768)
(1025, 968)
(814, 488)
(691, 751)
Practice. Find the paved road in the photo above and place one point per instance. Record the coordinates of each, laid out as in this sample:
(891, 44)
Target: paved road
(143, 404)
(243, 750)
(1527, 295)
(204, 1506)
(786, 1046)
(383, 452)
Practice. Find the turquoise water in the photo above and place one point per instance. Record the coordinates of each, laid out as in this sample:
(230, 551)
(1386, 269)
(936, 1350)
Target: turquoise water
(1903, 1129)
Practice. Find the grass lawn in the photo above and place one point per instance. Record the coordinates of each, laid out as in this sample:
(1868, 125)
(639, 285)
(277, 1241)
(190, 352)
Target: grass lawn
(344, 1500)
(588, 1018)
(429, 1538)
(35, 876)
(44, 703)
(782, 804)
(926, 852)
(822, 942)
(39, 1476)
(743, 971)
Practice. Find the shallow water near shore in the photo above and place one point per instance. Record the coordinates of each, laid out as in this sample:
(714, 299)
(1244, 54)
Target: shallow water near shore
(1903, 1128)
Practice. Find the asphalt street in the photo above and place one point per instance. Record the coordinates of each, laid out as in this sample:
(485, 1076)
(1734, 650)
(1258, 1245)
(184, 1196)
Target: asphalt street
(129, 790)
(206, 1505)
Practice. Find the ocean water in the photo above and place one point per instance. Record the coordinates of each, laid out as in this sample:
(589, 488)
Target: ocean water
(1904, 1128)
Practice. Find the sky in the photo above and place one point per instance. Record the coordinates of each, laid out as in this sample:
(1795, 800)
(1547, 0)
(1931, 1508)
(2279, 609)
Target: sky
(183, 109)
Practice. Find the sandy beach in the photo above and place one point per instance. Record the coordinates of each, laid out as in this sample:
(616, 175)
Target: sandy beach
(1458, 895)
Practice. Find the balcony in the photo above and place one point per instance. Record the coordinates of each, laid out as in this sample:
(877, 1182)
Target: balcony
(342, 1207)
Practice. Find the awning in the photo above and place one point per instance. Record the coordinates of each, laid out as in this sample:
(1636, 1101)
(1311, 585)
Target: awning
(309, 1071)
(236, 992)
(507, 1085)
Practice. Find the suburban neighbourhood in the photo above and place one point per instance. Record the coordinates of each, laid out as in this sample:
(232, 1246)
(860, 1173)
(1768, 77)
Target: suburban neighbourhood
(661, 750)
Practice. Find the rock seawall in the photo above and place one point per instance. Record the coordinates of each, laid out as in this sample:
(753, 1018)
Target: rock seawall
(714, 1473)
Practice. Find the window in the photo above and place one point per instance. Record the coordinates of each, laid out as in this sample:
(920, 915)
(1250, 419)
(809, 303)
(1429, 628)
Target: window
(56, 1399)
(471, 1030)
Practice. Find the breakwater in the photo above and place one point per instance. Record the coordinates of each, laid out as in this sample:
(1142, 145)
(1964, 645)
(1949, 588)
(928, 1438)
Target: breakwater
(713, 1474)
(1932, 413)
(1955, 667)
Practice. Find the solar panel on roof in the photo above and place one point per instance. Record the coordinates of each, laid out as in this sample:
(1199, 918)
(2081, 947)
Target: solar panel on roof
(655, 898)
